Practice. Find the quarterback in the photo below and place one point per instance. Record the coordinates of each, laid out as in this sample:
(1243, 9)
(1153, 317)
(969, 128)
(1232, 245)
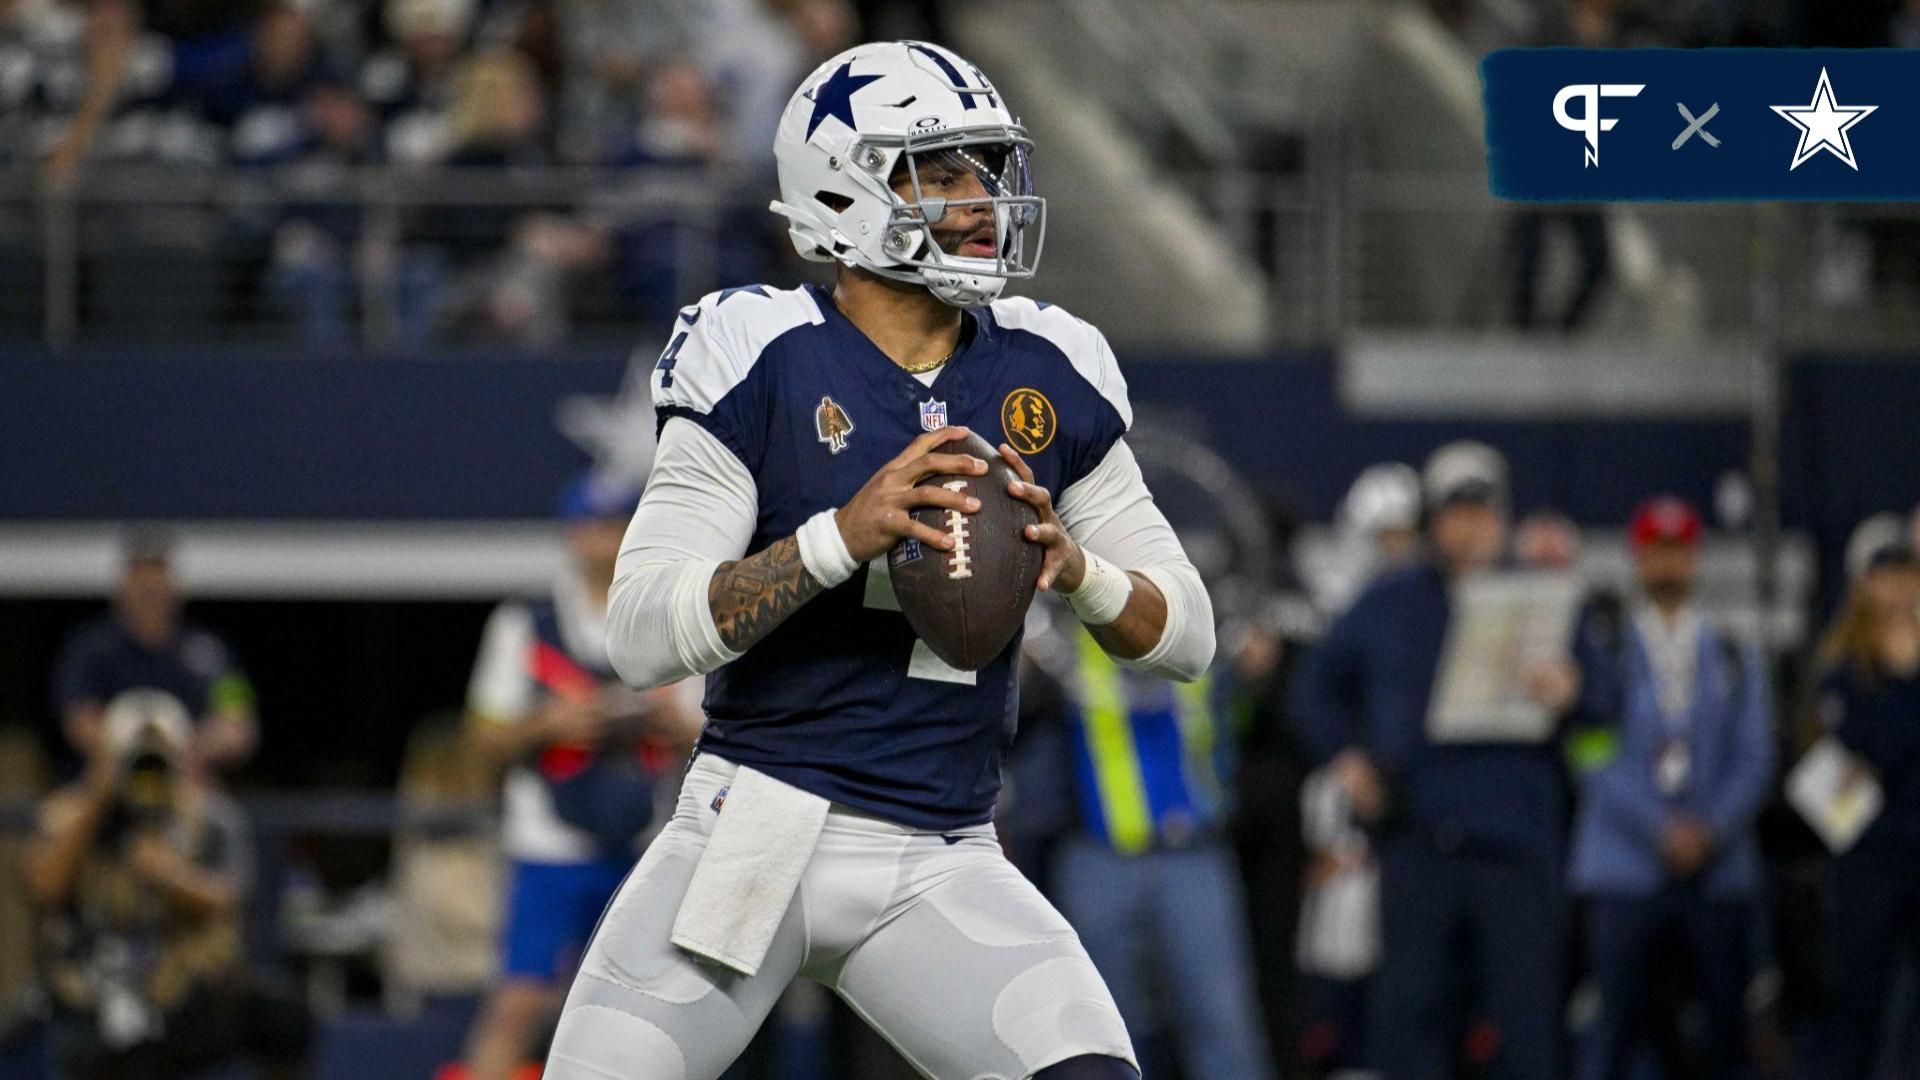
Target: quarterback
(836, 822)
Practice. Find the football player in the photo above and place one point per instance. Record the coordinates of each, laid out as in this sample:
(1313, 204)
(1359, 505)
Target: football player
(837, 821)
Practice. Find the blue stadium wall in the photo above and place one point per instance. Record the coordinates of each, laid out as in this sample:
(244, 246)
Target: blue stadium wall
(261, 435)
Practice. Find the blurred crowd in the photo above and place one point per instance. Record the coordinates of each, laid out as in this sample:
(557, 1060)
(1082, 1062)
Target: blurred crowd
(671, 102)
(205, 84)
(1636, 839)
(1496, 813)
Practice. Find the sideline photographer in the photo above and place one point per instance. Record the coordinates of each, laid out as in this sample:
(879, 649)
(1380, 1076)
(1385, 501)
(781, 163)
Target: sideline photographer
(140, 872)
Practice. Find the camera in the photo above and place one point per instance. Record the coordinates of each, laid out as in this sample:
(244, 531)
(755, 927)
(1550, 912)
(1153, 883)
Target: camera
(147, 730)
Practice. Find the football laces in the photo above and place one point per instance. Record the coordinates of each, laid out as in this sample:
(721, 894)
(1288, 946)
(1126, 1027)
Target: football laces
(959, 561)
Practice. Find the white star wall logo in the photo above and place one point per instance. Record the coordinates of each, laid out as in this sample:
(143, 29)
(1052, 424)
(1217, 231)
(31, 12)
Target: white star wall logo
(616, 431)
(1823, 125)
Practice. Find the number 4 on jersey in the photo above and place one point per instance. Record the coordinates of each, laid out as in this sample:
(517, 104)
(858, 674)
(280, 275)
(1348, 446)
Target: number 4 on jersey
(688, 315)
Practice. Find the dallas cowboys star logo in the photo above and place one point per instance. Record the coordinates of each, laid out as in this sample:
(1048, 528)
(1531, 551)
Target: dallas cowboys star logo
(835, 96)
(616, 431)
(1823, 125)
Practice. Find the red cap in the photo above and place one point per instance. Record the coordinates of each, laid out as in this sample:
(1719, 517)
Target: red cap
(1665, 519)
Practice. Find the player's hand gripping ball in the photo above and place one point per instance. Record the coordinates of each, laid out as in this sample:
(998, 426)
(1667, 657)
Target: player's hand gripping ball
(967, 601)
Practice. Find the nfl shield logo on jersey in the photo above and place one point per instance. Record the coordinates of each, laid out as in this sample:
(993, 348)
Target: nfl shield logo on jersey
(933, 415)
(832, 425)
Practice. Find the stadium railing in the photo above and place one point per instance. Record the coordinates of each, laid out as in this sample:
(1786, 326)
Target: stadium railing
(398, 260)
(380, 258)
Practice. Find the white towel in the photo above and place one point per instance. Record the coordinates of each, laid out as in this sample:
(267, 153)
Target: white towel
(760, 845)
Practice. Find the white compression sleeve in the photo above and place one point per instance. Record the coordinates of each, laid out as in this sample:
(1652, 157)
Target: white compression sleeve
(1110, 512)
(698, 511)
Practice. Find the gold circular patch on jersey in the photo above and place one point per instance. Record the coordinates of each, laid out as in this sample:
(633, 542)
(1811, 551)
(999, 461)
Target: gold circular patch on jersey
(1029, 421)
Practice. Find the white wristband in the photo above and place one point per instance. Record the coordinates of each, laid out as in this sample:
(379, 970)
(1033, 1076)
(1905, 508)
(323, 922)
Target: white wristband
(824, 550)
(1103, 591)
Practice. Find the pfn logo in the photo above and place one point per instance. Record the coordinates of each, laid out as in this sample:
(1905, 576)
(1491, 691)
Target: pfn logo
(1589, 122)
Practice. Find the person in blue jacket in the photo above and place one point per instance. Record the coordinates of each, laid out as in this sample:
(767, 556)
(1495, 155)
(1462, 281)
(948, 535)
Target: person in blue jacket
(1469, 835)
(1664, 846)
(1870, 701)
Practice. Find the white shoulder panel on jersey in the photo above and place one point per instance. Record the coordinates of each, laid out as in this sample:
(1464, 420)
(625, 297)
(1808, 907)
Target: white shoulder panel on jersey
(1083, 343)
(716, 342)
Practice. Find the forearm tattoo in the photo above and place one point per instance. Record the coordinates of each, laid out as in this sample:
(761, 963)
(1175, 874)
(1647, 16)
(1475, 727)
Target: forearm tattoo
(751, 596)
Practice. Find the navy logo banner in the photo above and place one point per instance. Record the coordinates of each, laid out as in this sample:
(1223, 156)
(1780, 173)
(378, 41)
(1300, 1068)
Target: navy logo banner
(1603, 125)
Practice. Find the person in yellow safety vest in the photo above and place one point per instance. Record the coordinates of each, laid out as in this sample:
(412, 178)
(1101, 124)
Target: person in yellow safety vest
(1147, 877)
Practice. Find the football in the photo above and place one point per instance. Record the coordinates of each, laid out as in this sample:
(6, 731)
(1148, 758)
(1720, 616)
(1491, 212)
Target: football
(967, 603)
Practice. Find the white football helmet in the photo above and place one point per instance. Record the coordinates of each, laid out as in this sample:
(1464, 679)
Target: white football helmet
(898, 110)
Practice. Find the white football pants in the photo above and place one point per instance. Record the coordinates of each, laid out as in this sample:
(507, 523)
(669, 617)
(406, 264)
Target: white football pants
(934, 939)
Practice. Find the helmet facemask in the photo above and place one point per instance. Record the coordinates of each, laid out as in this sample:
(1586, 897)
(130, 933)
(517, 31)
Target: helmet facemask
(998, 158)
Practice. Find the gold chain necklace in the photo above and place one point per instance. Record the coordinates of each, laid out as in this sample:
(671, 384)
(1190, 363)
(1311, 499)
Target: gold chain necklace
(911, 369)
(922, 369)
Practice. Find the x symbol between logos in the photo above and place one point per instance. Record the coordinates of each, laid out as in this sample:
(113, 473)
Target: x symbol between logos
(1697, 126)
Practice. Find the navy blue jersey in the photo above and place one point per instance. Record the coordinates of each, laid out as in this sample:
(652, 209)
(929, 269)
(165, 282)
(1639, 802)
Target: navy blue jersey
(103, 660)
(840, 699)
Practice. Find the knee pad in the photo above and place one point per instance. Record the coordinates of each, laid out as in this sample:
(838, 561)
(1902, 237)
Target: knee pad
(598, 1041)
(1088, 1067)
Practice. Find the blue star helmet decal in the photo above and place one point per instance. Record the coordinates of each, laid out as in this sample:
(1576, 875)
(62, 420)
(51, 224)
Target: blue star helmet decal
(835, 96)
